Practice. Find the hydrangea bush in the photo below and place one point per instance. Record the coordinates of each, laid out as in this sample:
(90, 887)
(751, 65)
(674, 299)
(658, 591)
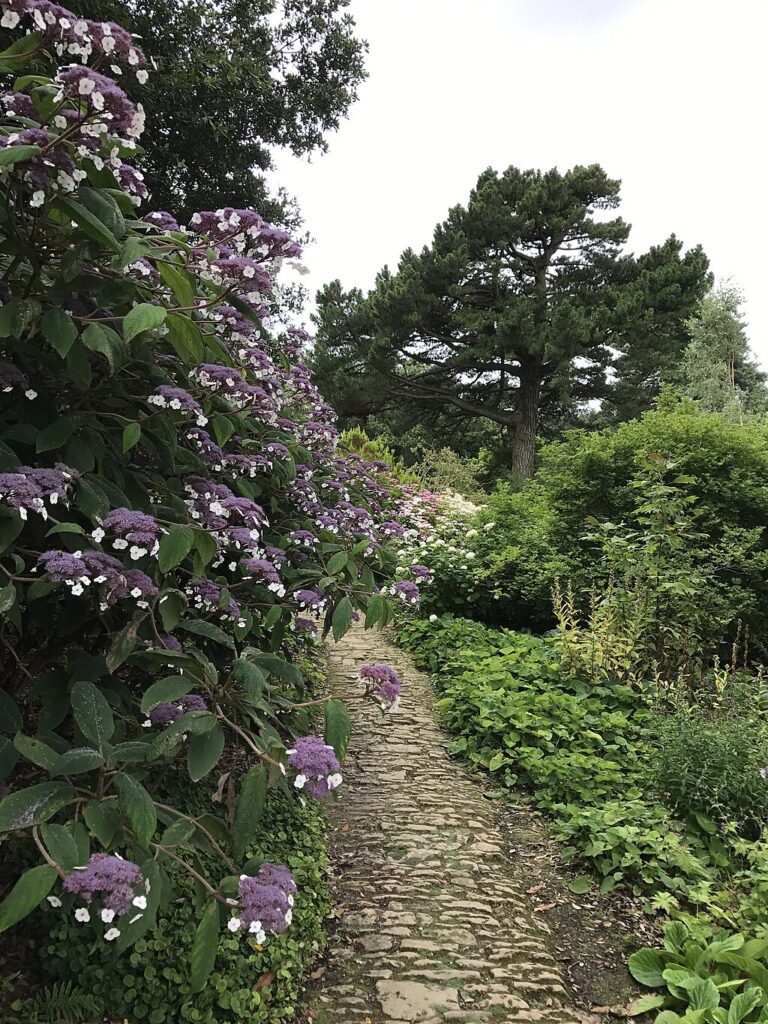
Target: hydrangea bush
(438, 544)
(170, 500)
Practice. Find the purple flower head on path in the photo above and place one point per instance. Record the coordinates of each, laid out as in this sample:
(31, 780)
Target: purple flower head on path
(383, 681)
(317, 768)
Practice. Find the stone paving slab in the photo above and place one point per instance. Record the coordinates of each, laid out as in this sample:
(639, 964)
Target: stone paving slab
(433, 922)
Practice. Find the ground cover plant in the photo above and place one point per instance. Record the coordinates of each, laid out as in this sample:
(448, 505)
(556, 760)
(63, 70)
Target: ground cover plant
(174, 523)
(595, 757)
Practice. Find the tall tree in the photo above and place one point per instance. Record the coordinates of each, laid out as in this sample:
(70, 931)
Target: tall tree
(518, 307)
(718, 369)
(234, 79)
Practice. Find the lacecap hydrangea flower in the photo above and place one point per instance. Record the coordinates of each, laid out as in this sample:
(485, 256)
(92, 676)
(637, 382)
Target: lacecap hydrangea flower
(267, 902)
(317, 768)
(383, 683)
(117, 884)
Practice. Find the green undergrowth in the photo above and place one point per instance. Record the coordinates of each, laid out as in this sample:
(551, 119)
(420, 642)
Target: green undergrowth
(599, 759)
(151, 983)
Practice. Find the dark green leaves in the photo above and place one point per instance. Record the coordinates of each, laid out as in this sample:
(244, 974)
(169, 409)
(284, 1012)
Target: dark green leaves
(144, 317)
(250, 808)
(204, 946)
(28, 892)
(208, 630)
(92, 712)
(205, 750)
(174, 547)
(163, 691)
(137, 805)
(33, 805)
(17, 154)
(338, 727)
(102, 339)
(59, 330)
(88, 221)
(60, 845)
(342, 618)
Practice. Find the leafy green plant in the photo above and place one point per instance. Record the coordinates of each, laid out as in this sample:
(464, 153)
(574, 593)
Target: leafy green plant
(713, 764)
(721, 981)
(60, 1003)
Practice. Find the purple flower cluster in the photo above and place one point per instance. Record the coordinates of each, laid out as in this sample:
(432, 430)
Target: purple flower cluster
(103, 96)
(312, 600)
(30, 487)
(303, 538)
(267, 902)
(407, 592)
(72, 35)
(167, 712)
(118, 884)
(131, 530)
(83, 568)
(317, 768)
(383, 682)
(162, 220)
(263, 571)
(391, 529)
(166, 397)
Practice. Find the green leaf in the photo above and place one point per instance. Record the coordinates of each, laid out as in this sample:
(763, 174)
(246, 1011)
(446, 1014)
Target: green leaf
(178, 833)
(206, 548)
(208, 630)
(743, 1004)
(144, 317)
(102, 820)
(88, 221)
(9, 531)
(702, 994)
(276, 666)
(137, 805)
(107, 343)
(132, 752)
(172, 606)
(122, 646)
(374, 611)
(36, 751)
(338, 727)
(647, 966)
(60, 845)
(193, 722)
(204, 752)
(496, 761)
(337, 562)
(204, 946)
(164, 691)
(581, 884)
(17, 154)
(77, 761)
(179, 281)
(131, 436)
(59, 330)
(56, 435)
(92, 712)
(29, 891)
(10, 716)
(33, 805)
(342, 618)
(249, 809)
(645, 1004)
(65, 528)
(158, 886)
(186, 338)
(174, 547)
(7, 598)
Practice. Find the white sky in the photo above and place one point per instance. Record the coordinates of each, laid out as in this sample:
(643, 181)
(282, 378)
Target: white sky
(668, 95)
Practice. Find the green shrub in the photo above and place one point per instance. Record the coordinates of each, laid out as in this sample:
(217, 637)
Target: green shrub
(724, 980)
(539, 532)
(151, 985)
(709, 763)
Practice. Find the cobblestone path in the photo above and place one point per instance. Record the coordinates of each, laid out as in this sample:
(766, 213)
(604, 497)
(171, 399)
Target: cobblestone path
(433, 923)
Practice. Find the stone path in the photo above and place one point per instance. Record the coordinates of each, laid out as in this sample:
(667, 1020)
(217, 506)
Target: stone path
(433, 924)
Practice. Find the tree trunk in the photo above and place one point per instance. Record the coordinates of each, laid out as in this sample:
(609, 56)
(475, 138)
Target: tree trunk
(526, 421)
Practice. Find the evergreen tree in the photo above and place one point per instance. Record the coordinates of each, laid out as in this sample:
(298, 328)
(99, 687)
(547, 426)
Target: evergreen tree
(512, 315)
(718, 370)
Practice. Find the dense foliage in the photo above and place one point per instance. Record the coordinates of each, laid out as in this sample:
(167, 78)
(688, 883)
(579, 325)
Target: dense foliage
(596, 757)
(235, 80)
(170, 505)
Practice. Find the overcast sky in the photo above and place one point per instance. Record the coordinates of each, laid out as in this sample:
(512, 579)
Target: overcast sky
(668, 95)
